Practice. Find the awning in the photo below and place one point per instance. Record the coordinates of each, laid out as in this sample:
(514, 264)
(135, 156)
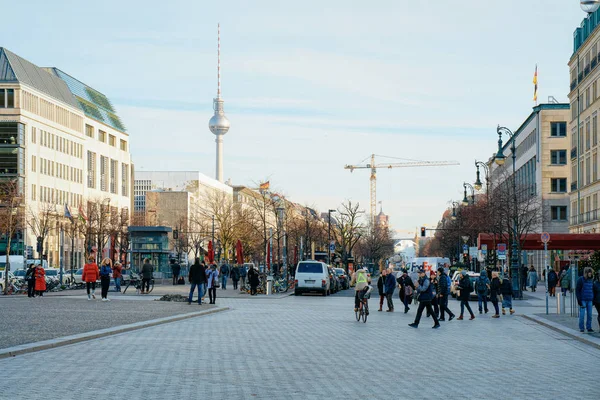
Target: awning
(558, 241)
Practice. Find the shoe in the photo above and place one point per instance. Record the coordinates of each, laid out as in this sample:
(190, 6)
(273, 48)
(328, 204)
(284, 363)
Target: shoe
(104, 299)
(436, 326)
(495, 316)
(356, 310)
(107, 299)
(451, 318)
(390, 310)
(590, 331)
(503, 311)
(582, 330)
(486, 311)
(512, 312)
(460, 318)
(93, 296)
(189, 303)
(442, 319)
(472, 318)
(380, 309)
(480, 312)
(413, 325)
(89, 297)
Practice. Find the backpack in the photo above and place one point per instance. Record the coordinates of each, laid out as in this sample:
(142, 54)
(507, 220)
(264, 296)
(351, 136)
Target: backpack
(565, 281)
(471, 287)
(481, 286)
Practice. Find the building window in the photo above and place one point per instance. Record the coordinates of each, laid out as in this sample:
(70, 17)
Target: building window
(91, 170)
(33, 167)
(558, 185)
(112, 140)
(558, 129)
(113, 176)
(7, 98)
(89, 131)
(123, 145)
(102, 136)
(595, 130)
(594, 167)
(33, 192)
(33, 135)
(103, 172)
(125, 180)
(559, 213)
(587, 136)
(558, 157)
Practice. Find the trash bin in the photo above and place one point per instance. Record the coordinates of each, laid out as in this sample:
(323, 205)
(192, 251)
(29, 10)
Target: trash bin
(269, 285)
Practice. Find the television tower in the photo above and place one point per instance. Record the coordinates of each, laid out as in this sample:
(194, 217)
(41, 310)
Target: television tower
(219, 124)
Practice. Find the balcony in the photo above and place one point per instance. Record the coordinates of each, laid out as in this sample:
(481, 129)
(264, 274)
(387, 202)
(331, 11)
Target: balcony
(586, 217)
(573, 186)
(586, 70)
(594, 62)
(573, 153)
(580, 77)
(573, 84)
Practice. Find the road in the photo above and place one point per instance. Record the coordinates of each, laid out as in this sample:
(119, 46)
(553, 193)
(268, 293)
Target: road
(311, 347)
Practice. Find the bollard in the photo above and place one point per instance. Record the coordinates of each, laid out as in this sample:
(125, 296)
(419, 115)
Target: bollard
(560, 303)
(269, 285)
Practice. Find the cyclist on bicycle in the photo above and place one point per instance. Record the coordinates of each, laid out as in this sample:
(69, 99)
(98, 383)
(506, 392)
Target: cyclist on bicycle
(362, 288)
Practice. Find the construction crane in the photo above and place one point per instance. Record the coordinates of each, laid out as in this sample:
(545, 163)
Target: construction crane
(373, 167)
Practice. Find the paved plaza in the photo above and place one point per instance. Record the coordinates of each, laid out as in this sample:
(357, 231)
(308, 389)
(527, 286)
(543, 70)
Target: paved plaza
(311, 347)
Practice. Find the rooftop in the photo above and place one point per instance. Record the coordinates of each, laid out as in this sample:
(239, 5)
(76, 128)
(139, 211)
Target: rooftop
(588, 26)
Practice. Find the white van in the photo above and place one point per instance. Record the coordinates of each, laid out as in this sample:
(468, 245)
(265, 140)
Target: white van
(428, 263)
(312, 276)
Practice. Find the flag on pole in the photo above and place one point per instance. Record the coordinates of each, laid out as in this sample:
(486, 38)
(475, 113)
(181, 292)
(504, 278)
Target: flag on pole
(264, 185)
(535, 86)
(68, 212)
(82, 216)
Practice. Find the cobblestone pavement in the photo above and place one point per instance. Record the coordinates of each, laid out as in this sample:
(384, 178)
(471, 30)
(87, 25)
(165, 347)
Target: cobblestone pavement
(26, 320)
(312, 347)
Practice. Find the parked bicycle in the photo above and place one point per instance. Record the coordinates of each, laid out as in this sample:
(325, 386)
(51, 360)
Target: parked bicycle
(136, 282)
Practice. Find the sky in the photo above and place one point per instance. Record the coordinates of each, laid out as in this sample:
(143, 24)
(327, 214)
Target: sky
(312, 86)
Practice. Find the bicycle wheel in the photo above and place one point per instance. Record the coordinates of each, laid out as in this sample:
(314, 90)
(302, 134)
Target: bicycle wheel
(365, 312)
(358, 314)
(151, 287)
(127, 287)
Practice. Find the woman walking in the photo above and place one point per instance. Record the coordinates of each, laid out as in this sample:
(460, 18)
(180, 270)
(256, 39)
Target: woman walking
(90, 275)
(506, 291)
(105, 271)
(495, 293)
(40, 280)
(380, 288)
(212, 276)
(117, 275)
(235, 276)
(532, 278)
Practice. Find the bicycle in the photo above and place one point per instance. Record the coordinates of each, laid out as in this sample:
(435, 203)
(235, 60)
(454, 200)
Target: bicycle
(136, 282)
(363, 309)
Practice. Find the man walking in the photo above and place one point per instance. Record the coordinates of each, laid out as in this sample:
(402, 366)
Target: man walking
(176, 270)
(552, 281)
(30, 278)
(224, 275)
(443, 295)
(117, 275)
(243, 274)
(483, 287)
(197, 278)
(390, 285)
(424, 296)
(466, 287)
(585, 298)
(407, 288)
(381, 288)
(147, 270)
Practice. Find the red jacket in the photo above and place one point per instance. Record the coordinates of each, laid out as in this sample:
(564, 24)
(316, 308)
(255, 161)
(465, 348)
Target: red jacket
(117, 271)
(91, 273)
(40, 279)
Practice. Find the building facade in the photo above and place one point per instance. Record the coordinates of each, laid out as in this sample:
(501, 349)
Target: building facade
(583, 126)
(64, 143)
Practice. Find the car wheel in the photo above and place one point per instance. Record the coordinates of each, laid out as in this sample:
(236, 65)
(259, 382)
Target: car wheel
(324, 292)
(297, 293)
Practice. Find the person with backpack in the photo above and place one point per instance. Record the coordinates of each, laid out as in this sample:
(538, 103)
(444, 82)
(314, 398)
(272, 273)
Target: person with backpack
(495, 293)
(224, 273)
(532, 278)
(506, 291)
(552, 282)
(389, 287)
(466, 287)
(585, 298)
(482, 286)
(407, 287)
(565, 280)
(105, 272)
(380, 288)
(443, 291)
(424, 296)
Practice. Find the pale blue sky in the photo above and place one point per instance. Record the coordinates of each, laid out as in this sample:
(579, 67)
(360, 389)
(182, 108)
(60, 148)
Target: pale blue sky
(311, 86)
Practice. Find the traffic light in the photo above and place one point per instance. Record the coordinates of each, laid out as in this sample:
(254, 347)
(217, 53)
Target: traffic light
(175, 234)
(39, 244)
(423, 230)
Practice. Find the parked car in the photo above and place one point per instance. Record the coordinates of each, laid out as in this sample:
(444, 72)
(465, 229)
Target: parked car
(20, 274)
(333, 280)
(52, 274)
(343, 277)
(456, 277)
(312, 276)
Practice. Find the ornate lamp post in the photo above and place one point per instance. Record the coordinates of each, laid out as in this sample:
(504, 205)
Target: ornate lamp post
(465, 201)
(478, 185)
(514, 256)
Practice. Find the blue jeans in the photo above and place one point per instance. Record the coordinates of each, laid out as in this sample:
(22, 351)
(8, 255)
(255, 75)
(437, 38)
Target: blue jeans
(200, 292)
(482, 298)
(506, 301)
(586, 306)
(224, 281)
(117, 284)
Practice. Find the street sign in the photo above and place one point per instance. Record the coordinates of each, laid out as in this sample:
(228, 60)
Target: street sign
(465, 248)
(501, 251)
(484, 249)
(332, 247)
(545, 237)
(473, 251)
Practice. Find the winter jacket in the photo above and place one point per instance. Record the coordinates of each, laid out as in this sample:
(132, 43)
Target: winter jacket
(197, 274)
(424, 290)
(30, 275)
(552, 278)
(243, 272)
(506, 287)
(443, 285)
(176, 269)
(117, 271)
(361, 279)
(147, 270)
(380, 285)
(584, 290)
(495, 289)
(212, 277)
(596, 292)
(253, 277)
(224, 270)
(482, 283)
(532, 278)
(105, 270)
(390, 284)
(565, 279)
(90, 273)
(235, 274)
(40, 279)
(464, 285)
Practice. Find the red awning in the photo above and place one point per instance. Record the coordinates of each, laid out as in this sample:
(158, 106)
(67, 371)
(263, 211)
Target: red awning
(558, 241)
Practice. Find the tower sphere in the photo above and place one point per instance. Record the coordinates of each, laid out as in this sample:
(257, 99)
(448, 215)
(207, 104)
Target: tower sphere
(589, 6)
(218, 124)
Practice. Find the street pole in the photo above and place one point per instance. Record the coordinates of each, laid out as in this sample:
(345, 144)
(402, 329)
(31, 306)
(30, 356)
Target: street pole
(329, 236)
(547, 270)
(285, 256)
(72, 250)
(61, 255)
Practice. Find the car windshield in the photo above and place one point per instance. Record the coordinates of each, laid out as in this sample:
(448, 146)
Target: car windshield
(312, 268)
(20, 273)
(51, 272)
(79, 271)
(340, 271)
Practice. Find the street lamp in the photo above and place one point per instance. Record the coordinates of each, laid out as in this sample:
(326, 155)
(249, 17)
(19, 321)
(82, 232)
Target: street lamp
(329, 236)
(454, 207)
(499, 159)
(465, 200)
(589, 6)
(478, 185)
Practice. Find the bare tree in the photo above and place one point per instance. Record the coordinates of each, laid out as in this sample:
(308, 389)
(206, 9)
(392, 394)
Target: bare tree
(11, 217)
(348, 228)
(41, 222)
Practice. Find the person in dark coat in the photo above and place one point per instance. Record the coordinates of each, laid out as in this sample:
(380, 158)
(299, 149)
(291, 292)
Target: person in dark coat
(424, 296)
(407, 287)
(506, 291)
(465, 287)
(552, 282)
(253, 278)
(380, 288)
(524, 272)
(585, 298)
(176, 270)
(147, 270)
(197, 278)
(495, 293)
(597, 296)
(390, 285)
(442, 295)
(235, 276)
(30, 278)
